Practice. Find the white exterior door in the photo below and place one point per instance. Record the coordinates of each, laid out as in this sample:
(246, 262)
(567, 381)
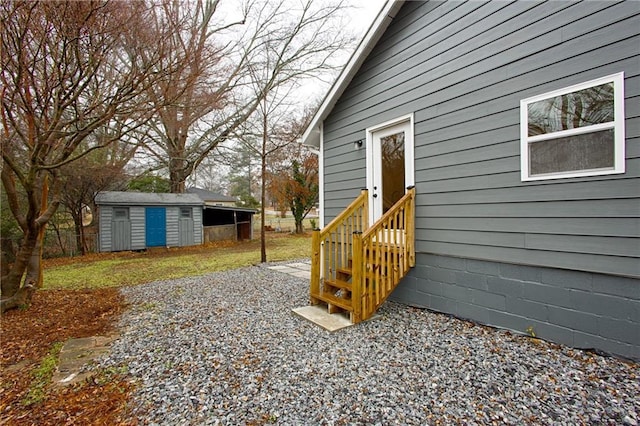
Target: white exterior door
(390, 164)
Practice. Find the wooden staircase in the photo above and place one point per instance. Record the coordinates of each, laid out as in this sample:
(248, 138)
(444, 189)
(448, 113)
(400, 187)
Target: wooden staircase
(354, 267)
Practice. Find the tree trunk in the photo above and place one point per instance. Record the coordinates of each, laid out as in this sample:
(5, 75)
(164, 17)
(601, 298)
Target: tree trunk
(28, 263)
(13, 294)
(56, 229)
(177, 183)
(263, 245)
(21, 298)
(35, 273)
(11, 282)
(81, 244)
(263, 175)
(34, 268)
(177, 169)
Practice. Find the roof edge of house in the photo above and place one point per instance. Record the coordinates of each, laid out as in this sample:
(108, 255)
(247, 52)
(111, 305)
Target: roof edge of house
(311, 135)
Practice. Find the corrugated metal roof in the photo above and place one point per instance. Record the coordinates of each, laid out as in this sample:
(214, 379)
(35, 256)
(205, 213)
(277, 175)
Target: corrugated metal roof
(147, 199)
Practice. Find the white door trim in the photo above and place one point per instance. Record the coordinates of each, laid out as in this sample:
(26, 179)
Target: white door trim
(321, 178)
(408, 122)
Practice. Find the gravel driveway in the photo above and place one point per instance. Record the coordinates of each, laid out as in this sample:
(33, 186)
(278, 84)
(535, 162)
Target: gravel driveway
(225, 348)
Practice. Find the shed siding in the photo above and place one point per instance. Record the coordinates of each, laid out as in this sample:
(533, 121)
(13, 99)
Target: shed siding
(173, 237)
(197, 225)
(138, 228)
(105, 228)
(462, 69)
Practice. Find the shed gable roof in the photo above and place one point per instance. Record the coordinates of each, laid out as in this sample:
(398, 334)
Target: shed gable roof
(146, 199)
(311, 135)
(210, 196)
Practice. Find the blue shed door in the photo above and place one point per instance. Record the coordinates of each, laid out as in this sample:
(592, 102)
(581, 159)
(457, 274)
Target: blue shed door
(156, 226)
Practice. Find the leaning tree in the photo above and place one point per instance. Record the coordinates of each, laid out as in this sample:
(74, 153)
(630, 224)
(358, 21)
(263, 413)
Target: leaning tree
(68, 70)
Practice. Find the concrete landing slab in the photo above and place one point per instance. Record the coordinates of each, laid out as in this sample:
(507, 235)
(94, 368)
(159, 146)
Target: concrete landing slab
(303, 266)
(318, 314)
(75, 354)
(279, 267)
(302, 274)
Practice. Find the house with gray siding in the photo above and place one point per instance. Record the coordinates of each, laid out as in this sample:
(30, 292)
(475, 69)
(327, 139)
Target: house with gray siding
(518, 124)
(137, 221)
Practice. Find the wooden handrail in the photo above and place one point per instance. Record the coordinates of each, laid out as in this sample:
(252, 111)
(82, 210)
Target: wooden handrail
(360, 201)
(355, 268)
(331, 246)
(387, 254)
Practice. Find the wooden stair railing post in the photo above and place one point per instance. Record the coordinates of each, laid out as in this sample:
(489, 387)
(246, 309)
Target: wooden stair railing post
(314, 289)
(357, 278)
(411, 227)
(332, 257)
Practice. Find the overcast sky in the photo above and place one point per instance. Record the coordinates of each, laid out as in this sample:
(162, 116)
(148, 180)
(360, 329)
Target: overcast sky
(364, 12)
(362, 15)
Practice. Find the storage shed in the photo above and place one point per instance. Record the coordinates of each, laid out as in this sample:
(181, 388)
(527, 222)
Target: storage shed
(136, 220)
(227, 223)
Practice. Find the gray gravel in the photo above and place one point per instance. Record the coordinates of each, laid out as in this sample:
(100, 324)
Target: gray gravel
(225, 348)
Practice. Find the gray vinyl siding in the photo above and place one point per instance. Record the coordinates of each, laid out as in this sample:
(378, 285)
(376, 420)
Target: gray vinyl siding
(197, 225)
(138, 228)
(462, 69)
(104, 223)
(173, 237)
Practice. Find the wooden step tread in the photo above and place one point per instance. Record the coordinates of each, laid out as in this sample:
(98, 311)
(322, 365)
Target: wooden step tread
(338, 284)
(333, 300)
(344, 271)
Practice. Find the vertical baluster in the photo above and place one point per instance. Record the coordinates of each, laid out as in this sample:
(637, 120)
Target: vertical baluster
(398, 245)
(387, 256)
(314, 289)
(369, 269)
(411, 237)
(356, 283)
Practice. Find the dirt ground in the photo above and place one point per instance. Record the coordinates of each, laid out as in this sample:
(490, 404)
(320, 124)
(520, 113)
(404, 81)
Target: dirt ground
(28, 336)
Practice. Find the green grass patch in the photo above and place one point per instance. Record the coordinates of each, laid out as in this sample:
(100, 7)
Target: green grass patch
(41, 376)
(145, 267)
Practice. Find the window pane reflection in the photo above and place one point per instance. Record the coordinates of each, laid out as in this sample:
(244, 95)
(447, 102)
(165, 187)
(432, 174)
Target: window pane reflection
(586, 107)
(392, 148)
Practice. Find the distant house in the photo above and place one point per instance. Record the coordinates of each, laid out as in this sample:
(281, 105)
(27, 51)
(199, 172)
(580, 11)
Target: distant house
(137, 220)
(517, 124)
(221, 220)
(213, 198)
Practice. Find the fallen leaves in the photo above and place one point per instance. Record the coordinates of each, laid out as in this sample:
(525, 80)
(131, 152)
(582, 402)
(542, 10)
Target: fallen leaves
(28, 335)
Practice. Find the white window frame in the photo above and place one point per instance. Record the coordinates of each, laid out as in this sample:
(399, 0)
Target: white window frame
(617, 125)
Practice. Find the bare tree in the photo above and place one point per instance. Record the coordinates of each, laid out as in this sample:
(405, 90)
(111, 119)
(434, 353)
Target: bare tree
(82, 179)
(199, 82)
(214, 90)
(69, 70)
(301, 44)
